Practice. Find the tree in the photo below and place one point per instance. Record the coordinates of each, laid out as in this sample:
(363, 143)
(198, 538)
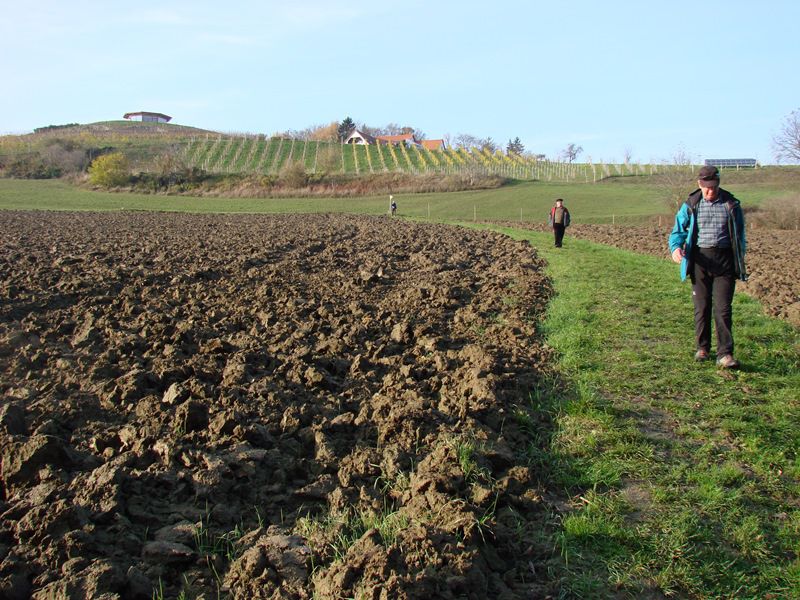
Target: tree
(627, 155)
(571, 152)
(515, 146)
(345, 127)
(676, 180)
(786, 144)
(488, 144)
(323, 133)
(110, 170)
(466, 141)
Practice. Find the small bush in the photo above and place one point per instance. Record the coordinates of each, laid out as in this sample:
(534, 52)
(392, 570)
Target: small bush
(293, 175)
(110, 170)
(182, 180)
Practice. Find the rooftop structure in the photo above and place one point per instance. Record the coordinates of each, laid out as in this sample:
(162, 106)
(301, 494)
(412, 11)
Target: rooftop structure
(147, 116)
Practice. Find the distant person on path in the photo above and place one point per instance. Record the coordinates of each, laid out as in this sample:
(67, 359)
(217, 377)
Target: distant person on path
(559, 221)
(392, 206)
(708, 240)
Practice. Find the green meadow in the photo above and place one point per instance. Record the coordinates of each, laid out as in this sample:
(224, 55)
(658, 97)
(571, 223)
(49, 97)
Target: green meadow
(675, 479)
(624, 200)
(680, 480)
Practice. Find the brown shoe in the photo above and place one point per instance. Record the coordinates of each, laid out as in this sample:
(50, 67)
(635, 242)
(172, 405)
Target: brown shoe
(728, 362)
(701, 355)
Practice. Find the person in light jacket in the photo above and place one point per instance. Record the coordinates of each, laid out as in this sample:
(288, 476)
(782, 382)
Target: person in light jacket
(708, 240)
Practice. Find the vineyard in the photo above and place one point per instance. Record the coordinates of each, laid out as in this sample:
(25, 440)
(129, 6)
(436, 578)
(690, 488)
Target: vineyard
(268, 156)
(229, 153)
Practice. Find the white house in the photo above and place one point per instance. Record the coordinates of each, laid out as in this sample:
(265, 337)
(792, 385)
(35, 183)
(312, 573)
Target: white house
(147, 116)
(360, 138)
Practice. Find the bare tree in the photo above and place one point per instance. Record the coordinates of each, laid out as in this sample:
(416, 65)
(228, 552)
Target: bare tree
(627, 155)
(787, 143)
(571, 152)
(676, 180)
(466, 141)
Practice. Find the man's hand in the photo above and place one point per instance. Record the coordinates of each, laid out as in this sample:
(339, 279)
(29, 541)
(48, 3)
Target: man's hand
(677, 255)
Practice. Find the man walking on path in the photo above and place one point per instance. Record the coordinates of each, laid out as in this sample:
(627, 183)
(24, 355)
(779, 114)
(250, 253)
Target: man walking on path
(708, 240)
(559, 221)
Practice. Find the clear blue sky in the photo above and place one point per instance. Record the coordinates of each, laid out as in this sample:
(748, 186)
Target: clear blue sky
(712, 79)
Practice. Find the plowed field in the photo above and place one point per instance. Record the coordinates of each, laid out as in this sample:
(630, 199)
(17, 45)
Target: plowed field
(268, 407)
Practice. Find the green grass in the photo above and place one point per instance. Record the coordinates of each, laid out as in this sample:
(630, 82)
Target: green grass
(681, 479)
(531, 201)
(311, 155)
(620, 201)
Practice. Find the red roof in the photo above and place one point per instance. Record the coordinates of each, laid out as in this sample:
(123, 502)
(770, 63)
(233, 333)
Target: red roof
(396, 138)
(432, 144)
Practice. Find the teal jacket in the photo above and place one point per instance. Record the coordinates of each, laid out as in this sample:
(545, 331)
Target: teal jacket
(684, 233)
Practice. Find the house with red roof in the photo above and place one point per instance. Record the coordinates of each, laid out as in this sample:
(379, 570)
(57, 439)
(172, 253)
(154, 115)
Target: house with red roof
(433, 144)
(359, 137)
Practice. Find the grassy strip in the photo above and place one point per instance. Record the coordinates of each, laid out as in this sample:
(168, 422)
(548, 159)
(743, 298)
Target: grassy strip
(528, 201)
(618, 201)
(682, 479)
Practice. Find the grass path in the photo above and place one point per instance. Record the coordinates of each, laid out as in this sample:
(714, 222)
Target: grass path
(682, 480)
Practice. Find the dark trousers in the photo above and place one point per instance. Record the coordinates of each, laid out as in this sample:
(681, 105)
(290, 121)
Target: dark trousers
(713, 283)
(558, 232)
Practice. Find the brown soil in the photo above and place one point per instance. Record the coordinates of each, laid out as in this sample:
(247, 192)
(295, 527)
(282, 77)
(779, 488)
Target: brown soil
(772, 259)
(268, 407)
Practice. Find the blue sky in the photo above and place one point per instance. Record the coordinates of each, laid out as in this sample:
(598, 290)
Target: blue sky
(711, 80)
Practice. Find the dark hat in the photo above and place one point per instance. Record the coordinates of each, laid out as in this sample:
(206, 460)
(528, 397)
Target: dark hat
(708, 173)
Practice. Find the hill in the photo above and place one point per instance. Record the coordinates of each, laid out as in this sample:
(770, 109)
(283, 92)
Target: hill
(225, 153)
(57, 150)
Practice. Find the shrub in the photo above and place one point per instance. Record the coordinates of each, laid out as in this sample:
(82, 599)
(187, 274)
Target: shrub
(64, 157)
(182, 180)
(329, 159)
(776, 213)
(110, 170)
(32, 166)
(293, 175)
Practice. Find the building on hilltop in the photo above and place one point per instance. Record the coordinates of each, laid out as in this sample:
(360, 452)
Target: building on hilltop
(404, 138)
(732, 162)
(152, 117)
(359, 137)
(433, 144)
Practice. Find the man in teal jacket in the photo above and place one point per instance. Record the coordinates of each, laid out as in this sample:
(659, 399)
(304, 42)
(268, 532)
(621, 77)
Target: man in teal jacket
(708, 240)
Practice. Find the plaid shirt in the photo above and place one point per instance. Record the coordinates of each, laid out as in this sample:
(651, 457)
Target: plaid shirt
(712, 224)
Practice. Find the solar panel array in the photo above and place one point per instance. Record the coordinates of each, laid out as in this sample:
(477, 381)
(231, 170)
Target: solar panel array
(731, 162)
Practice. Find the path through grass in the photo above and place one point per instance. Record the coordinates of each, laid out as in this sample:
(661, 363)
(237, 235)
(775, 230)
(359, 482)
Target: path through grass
(682, 480)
